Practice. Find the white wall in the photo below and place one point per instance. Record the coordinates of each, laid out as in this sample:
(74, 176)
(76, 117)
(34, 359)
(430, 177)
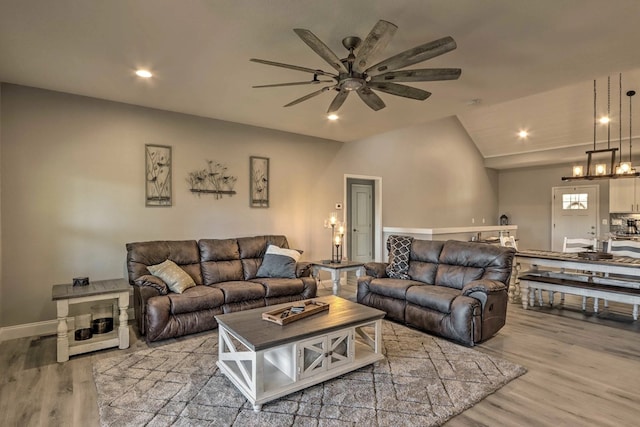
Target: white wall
(72, 175)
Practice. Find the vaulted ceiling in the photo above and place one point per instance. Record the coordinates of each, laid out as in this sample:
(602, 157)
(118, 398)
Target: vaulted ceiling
(525, 64)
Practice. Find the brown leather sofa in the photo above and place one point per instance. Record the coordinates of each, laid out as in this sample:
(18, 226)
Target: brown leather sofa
(457, 290)
(224, 271)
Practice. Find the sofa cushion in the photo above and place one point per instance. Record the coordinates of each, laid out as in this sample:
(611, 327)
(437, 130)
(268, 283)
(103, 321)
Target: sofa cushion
(195, 299)
(184, 253)
(276, 287)
(438, 298)
(456, 276)
(238, 291)
(177, 279)
(394, 288)
(252, 250)
(220, 259)
(279, 262)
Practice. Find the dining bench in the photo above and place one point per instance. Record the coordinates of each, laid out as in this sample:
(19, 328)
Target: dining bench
(623, 291)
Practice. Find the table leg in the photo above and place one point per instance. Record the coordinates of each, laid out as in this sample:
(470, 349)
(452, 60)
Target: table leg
(63, 330)
(335, 277)
(123, 328)
(525, 296)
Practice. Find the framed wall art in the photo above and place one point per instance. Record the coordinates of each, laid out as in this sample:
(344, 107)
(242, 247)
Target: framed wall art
(158, 175)
(259, 182)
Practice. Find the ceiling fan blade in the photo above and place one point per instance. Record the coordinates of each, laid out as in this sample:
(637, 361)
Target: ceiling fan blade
(422, 75)
(309, 96)
(293, 67)
(338, 101)
(371, 99)
(413, 56)
(401, 90)
(312, 82)
(376, 41)
(321, 49)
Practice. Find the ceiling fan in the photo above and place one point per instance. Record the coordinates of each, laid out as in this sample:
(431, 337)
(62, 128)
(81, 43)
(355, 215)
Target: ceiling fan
(355, 74)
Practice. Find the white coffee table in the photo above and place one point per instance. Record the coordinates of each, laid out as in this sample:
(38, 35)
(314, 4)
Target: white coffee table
(266, 361)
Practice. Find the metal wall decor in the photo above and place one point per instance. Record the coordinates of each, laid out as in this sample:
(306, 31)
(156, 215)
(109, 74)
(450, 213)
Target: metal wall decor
(259, 182)
(158, 175)
(215, 179)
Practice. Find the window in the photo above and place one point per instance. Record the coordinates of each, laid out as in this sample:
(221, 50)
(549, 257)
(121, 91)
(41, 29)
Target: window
(575, 201)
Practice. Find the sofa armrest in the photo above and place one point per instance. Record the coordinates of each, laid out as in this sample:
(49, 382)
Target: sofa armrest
(152, 282)
(485, 285)
(303, 269)
(376, 269)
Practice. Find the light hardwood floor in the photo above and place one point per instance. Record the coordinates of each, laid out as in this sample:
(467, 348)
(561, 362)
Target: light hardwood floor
(583, 370)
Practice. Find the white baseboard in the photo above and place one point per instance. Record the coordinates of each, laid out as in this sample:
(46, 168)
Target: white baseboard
(47, 327)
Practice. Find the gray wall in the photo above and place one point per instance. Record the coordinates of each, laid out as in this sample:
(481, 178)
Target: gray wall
(433, 175)
(72, 176)
(525, 197)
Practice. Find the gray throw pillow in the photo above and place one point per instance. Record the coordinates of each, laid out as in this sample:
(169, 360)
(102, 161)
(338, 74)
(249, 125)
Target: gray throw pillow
(279, 262)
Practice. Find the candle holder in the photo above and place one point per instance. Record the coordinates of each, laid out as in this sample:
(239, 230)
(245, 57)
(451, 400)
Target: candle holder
(337, 236)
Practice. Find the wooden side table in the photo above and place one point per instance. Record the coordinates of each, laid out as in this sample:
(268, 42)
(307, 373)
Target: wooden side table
(66, 295)
(336, 270)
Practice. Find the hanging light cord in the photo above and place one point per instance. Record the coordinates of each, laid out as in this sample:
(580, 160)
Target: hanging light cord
(608, 111)
(630, 93)
(594, 116)
(620, 120)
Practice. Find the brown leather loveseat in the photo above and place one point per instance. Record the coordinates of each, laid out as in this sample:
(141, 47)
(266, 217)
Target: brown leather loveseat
(225, 275)
(457, 290)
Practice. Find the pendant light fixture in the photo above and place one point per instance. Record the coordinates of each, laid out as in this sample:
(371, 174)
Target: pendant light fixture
(602, 170)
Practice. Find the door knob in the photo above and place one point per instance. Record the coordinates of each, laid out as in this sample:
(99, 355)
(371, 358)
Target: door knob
(355, 229)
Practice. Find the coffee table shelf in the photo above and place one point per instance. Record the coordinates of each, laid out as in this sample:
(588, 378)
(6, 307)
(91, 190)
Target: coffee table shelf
(332, 344)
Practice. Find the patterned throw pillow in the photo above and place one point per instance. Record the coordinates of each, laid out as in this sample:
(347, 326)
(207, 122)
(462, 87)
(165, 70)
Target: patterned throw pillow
(399, 252)
(279, 262)
(177, 279)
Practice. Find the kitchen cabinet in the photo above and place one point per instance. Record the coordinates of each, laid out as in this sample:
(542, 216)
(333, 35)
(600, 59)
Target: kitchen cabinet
(624, 195)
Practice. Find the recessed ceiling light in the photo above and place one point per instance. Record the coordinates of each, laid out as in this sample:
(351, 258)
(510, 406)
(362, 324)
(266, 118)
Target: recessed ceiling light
(332, 117)
(523, 134)
(145, 74)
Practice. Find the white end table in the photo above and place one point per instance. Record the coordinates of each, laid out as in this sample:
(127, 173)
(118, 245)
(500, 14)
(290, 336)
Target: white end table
(66, 295)
(336, 270)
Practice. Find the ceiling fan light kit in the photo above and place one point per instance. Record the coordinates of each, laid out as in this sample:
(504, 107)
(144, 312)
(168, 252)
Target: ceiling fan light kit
(623, 169)
(353, 73)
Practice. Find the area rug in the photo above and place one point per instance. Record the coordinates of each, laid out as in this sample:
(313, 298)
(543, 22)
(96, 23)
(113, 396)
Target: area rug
(423, 381)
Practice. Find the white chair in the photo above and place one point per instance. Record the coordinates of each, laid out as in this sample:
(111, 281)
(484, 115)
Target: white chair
(630, 248)
(579, 245)
(575, 245)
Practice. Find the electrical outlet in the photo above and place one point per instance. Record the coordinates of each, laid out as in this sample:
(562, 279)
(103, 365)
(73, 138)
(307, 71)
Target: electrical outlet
(604, 222)
(616, 222)
(483, 220)
(473, 220)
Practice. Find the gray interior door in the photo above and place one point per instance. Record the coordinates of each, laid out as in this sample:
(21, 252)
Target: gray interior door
(360, 220)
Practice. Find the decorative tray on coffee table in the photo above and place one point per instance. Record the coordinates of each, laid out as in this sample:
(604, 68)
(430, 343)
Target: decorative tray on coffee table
(296, 311)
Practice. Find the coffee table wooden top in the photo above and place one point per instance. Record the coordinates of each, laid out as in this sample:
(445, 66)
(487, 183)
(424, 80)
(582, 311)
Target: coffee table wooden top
(258, 334)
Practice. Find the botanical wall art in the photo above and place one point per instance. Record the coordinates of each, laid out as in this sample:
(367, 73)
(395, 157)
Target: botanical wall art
(259, 182)
(215, 179)
(158, 175)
